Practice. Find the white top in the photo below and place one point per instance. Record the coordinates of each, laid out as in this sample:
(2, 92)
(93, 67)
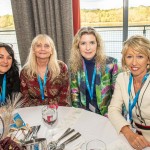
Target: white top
(120, 96)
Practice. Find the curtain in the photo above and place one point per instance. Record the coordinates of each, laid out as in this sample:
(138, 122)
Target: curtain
(76, 15)
(52, 17)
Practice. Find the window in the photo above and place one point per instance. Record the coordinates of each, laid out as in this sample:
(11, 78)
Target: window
(139, 18)
(107, 18)
(7, 29)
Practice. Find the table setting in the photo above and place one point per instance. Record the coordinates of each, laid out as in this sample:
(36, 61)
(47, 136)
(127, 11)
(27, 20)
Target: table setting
(64, 128)
(61, 140)
(47, 133)
(62, 124)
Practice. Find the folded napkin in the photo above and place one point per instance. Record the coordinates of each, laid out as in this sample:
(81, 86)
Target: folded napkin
(74, 145)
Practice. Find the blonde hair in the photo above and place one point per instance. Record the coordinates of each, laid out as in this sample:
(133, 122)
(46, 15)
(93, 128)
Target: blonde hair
(137, 42)
(76, 57)
(31, 63)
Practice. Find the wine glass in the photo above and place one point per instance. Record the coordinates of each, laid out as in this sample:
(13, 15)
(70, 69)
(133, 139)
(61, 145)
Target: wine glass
(49, 116)
(96, 145)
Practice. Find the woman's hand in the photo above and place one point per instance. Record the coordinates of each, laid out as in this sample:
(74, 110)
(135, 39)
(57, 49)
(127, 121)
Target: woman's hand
(137, 141)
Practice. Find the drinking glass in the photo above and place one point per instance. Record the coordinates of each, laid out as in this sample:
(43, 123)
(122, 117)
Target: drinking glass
(49, 116)
(96, 145)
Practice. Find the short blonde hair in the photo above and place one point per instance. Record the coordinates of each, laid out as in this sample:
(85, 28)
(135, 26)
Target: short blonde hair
(76, 57)
(31, 63)
(137, 42)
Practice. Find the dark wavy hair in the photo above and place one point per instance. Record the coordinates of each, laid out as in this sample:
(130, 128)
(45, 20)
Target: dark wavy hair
(14, 70)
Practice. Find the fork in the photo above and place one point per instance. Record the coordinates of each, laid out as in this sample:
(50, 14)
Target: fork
(31, 133)
(74, 137)
(35, 131)
(53, 144)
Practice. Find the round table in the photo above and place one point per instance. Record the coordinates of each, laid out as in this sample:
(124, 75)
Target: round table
(89, 124)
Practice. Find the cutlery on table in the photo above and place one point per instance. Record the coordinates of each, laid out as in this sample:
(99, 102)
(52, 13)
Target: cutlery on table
(35, 131)
(32, 133)
(53, 144)
(74, 137)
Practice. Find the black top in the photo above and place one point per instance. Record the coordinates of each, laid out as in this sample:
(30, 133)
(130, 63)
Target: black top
(90, 64)
(10, 88)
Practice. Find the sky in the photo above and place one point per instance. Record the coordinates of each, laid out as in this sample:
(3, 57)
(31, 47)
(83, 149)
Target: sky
(109, 4)
(5, 5)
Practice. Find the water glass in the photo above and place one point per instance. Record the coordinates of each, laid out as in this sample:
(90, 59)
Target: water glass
(49, 115)
(96, 145)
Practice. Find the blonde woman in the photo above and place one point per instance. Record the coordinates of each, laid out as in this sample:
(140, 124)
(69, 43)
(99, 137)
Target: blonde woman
(44, 79)
(132, 90)
(92, 73)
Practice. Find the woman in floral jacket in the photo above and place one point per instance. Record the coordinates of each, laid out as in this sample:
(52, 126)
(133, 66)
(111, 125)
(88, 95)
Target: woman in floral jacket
(92, 73)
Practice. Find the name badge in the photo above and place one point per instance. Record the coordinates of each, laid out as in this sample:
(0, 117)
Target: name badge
(92, 108)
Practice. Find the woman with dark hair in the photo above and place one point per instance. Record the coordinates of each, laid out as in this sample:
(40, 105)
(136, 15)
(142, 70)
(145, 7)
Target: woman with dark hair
(9, 73)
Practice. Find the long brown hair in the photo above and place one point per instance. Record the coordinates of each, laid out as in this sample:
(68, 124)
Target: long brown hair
(75, 61)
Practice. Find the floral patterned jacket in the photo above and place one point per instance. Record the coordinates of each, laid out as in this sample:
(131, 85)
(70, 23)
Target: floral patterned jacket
(104, 86)
(56, 91)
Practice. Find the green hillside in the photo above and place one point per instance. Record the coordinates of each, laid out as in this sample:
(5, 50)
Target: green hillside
(7, 22)
(114, 17)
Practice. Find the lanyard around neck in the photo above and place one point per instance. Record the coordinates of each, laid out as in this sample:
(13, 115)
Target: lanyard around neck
(90, 89)
(3, 91)
(42, 85)
(133, 103)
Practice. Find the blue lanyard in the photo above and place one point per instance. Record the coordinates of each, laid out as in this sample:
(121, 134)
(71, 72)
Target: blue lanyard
(3, 93)
(42, 85)
(90, 89)
(132, 104)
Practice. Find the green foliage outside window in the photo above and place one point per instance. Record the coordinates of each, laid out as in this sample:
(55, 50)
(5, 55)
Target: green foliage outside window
(114, 17)
(6, 22)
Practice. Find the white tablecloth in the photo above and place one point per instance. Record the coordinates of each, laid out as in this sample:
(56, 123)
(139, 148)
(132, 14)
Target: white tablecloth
(90, 125)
